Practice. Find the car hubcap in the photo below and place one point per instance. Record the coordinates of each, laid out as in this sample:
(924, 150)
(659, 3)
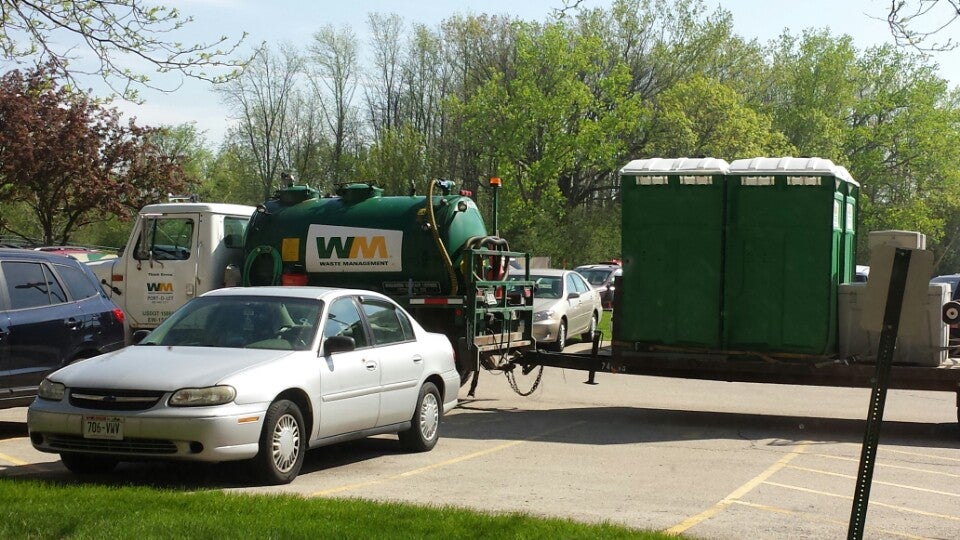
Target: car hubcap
(286, 443)
(429, 416)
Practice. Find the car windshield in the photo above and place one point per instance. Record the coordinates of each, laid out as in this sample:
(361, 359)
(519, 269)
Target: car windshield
(548, 286)
(254, 322)
(596, 276)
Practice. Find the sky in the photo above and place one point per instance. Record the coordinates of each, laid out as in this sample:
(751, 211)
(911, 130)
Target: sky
(295, 22)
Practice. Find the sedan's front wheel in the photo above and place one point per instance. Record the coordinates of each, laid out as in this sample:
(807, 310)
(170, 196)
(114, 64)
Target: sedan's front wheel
(87, 464)
(282, 445)
(425, 425)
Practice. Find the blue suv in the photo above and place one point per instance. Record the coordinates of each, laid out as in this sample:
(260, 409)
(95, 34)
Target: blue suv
(52, 312)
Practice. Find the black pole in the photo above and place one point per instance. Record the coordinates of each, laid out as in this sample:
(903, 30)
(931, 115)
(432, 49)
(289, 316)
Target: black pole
(878, 397)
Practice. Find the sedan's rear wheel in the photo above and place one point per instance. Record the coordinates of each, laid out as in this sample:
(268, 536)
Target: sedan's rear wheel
(425, 425)
(87, 463)
(592, 331)
(282, 445)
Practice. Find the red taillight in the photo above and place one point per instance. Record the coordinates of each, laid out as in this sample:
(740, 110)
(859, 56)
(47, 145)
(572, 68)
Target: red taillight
(291, 280)
(118, 315)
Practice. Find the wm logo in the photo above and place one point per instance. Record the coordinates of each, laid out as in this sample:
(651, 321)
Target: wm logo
(160, 287)
(352, 247)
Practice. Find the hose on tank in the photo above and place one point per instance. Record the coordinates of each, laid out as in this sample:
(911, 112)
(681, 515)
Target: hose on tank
(277, 265)
(451, 272)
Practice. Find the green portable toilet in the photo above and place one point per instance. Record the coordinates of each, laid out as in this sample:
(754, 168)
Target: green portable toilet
(787, 251)
(672, 247)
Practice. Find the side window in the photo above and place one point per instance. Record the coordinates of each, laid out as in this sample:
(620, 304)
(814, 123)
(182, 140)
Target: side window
(572, 284)
(31, 285)
(233, 229)
(384, 322)
(343, 319)
(580, 284)
(77, 282)
(168, 239)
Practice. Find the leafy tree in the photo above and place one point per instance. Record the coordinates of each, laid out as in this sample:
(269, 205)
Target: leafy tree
(71, 161)
(119, 34)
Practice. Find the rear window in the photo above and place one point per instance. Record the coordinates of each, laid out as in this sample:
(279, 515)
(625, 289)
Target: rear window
(78, 283)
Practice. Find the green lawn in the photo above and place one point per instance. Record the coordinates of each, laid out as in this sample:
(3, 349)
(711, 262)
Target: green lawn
(31, 509)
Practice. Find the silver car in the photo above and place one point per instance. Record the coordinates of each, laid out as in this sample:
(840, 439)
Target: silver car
(564, 304)
(259, 374)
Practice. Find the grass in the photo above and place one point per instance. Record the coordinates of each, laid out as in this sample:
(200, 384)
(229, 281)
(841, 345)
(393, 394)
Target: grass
(32, 509)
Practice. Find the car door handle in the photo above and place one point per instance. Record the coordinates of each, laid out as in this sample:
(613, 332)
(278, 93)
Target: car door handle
(417, 359)
(371, 365)
(71, 322)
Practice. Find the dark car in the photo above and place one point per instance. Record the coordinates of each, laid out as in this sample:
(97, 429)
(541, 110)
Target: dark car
(600, 277)
(52, 312)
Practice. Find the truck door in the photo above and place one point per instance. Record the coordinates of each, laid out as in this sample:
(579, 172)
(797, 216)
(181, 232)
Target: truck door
(161, 273)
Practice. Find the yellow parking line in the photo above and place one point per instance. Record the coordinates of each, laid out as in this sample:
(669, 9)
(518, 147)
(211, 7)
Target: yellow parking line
(889, 466)
(452, 461)
(849, 498)
(738, 493)
(817, 517)
(891, 484)
(11, 459)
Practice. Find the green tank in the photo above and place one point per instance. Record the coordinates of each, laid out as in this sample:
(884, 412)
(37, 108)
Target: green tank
(361, 239)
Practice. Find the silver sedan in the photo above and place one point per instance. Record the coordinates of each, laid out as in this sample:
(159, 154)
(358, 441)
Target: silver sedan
(564, 304)
(259, 374)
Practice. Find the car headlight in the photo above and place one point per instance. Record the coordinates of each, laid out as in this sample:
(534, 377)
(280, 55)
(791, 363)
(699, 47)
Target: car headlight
(201, 397)
(53, 391)
(543, 315)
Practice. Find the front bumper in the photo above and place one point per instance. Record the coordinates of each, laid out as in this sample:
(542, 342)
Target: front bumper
(222, 433)
(545, 331)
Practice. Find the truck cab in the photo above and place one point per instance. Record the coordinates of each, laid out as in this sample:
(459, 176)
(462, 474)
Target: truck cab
(176, 251)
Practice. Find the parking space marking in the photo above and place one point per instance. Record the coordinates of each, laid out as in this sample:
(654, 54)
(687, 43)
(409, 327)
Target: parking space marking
(738, 493)
(880, 482)
(817, 517)
(889, 466)
(884, 505)
(13, 460)
(441, 464)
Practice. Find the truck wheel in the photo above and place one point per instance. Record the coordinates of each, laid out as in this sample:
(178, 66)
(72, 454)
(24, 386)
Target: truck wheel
(282, 445)
(87, 464)
(561, 341)
(592, 332)
(425, 425)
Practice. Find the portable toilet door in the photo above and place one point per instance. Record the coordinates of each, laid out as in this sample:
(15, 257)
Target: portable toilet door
(672, 246)
(785, 254)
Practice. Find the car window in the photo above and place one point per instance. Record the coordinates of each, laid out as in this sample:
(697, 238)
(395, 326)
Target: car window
(31, 285)
(385, 323)
(78, 283)
(580, 285)
(343, 319)
(595, 276)
(572, 285)
(233, 229)
(547, 286)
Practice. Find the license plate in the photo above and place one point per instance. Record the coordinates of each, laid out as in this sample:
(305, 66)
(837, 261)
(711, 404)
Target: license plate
(103, 427)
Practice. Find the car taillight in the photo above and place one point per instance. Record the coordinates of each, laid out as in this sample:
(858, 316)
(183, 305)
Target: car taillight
(118, 315)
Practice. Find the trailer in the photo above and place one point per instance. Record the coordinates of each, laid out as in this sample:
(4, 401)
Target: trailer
(745, 272)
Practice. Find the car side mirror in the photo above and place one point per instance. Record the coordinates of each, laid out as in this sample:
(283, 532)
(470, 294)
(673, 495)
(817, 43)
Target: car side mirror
(573, 295)
(335, 344)
(139, 335)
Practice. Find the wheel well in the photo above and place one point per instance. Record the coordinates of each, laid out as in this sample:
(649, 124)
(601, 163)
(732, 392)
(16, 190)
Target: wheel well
(303, 403)
(437, 381)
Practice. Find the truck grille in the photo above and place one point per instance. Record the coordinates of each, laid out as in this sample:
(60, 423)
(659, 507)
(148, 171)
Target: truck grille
(126, 446)
(114, 400)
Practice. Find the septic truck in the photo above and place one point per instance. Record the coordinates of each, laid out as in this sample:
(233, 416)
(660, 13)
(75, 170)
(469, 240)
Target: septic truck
(433, 254)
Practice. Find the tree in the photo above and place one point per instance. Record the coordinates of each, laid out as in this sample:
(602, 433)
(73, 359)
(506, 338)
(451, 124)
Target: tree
(335, 77)
(119, 33)
(71, 161)
(259, 99)
(914, 23)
